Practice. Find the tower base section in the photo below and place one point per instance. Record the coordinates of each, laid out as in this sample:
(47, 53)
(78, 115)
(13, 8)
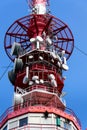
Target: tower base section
(40, 118)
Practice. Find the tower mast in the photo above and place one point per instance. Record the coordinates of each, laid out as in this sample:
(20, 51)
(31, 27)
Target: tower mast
(39, 46)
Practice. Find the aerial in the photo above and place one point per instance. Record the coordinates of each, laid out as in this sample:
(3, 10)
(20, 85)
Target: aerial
(74, 14)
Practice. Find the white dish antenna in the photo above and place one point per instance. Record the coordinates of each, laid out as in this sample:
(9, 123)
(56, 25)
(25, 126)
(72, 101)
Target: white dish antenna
(54, 83)
(40, 39)
(51, 77)
(41, 81)
(30, 57)
(32, 40)
(65, 67)
(31, 83)
(37, 81)
(40, 57)
(35, 78)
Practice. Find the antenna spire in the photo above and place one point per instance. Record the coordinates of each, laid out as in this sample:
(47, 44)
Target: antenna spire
(38, 6)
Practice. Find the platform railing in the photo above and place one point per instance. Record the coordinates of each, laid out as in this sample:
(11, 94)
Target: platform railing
(10, 110)
(42, 87)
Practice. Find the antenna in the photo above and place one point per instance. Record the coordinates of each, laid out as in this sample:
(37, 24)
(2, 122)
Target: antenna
(39, 45)
(12, 76)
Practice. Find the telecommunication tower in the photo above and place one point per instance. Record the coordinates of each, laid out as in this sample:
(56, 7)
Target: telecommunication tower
(39, 45)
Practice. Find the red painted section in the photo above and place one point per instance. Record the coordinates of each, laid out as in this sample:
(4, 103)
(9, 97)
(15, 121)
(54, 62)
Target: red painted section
(42, 96)
(33, 25)
(32, 3)
(42, 109)
(42, 72)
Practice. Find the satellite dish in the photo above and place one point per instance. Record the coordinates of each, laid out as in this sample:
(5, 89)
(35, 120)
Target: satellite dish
(41, 81)
(31, 57)
(37, 81)
(51, 76)
(12, 76)
(16, 49)
(31, 83)
(54, 83)
(40, 57)
(40, 39)
(65, 67)
(35, 78)
(18, 65)
(32, 40)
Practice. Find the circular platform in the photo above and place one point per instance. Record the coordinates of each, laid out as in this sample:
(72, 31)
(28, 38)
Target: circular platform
(39, 25)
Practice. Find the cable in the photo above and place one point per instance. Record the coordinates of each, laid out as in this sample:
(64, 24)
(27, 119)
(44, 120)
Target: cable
(6, 67)
(84, 53)
(27, 1)
(5, 70)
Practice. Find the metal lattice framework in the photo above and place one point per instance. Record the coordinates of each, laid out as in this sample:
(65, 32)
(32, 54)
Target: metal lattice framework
(33, 25)
(39, 45)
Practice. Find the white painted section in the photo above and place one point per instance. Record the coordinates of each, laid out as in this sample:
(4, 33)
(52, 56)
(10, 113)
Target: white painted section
(18, 98)
(40, 8)
(36, 121)
(13, 124)
(51, 76)
(53, 83)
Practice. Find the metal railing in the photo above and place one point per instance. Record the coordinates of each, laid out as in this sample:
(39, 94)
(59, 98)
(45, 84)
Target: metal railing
(43, 87)
(10, 110)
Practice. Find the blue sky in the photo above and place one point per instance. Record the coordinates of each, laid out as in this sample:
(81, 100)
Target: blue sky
(74, 14)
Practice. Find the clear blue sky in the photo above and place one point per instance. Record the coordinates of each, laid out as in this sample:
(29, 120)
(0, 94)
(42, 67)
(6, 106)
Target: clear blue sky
(73, 13)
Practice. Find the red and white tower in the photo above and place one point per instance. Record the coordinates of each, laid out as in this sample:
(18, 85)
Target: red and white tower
(39, 45)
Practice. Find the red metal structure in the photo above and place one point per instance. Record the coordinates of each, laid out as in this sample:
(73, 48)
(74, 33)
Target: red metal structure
(22, 30)
(39, 45)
